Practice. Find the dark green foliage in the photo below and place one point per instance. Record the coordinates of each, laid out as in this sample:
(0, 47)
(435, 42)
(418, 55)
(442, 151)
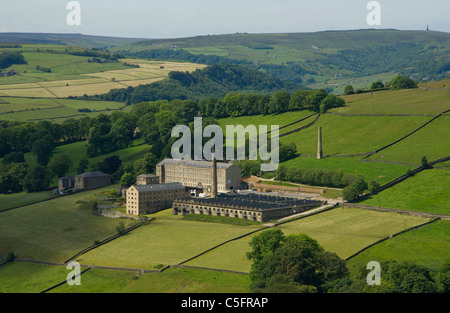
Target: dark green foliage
(404, 278)
(213, 81)
(13, 157)
(60, 165)
(9, 58)
(12, 177)
(38, 178)
(316, 177)
(127, 180)
(402, 82)
(43, 148)
(349, 90)
(296, 263)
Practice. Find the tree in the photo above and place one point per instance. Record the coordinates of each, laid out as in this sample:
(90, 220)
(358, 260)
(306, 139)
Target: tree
(60, 165)
(13, 157)
(265, 243)
(43, 149)
(402, 82)
(37, 179)
(349, 194)
(83, 166)
(349, 90)
(443, 276)
(146, 165)
(288, 152)
(113, 163)
(425, 162)
(330, 102)
(377, 85)
(296, 263)
(127, 180)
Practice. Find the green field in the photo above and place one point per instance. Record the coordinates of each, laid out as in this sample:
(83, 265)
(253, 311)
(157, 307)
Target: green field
(334, 230)
(428, 246)
(73, 75)
(425, 192)
(53, 230)
(167, 240)
(21, 277)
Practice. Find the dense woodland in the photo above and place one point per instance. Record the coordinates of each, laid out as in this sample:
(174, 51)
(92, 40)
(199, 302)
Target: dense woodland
(213, 81)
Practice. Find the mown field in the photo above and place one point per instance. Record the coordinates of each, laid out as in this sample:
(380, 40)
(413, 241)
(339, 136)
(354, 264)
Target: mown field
(36, 95)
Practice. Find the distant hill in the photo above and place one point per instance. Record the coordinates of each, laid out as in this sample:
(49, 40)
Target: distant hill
(314, 57)
(78, 40)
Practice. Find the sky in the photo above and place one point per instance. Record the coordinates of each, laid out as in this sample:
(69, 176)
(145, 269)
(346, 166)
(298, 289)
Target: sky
(186, 18)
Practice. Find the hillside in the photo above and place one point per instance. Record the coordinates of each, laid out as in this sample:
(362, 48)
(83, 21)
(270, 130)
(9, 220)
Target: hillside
(313, 57)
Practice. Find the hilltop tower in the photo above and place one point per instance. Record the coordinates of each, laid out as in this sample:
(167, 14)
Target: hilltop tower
(214, 173)
(319, 146)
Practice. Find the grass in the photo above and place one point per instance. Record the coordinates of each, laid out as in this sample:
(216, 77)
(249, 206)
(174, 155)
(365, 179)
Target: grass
(427, 246)
(431, 141)
(343, 231)
(166, 240)
(17, 199)
(22, 277)
(53, 230)
(75, 76)
(57, 110)
(425, 192)
(416, 101)
(352, 135)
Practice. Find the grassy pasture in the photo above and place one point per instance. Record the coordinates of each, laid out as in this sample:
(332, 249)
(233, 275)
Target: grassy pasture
(425, 192)
(428, 246)
(27, 109)
(345, 135)
(166, 240)
(21, 277)
(75, 76)
(53, 230)
(416, 101)
(431, 141)
(343, 231)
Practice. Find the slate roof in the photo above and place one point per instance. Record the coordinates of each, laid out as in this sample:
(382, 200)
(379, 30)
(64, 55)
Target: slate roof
(194, 163)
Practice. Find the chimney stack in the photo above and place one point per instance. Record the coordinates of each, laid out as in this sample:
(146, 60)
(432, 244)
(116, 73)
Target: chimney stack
(214, 173)
(319, 147)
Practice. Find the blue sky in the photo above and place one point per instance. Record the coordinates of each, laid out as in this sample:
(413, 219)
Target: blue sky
(183, 18)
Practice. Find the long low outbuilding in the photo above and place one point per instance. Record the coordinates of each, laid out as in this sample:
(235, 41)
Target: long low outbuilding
(254, 207)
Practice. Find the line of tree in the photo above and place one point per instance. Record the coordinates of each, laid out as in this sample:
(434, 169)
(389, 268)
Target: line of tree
(398, 82)
(320, 177)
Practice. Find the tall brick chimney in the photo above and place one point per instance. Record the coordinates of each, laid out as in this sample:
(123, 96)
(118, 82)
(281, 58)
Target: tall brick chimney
(214, 173)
